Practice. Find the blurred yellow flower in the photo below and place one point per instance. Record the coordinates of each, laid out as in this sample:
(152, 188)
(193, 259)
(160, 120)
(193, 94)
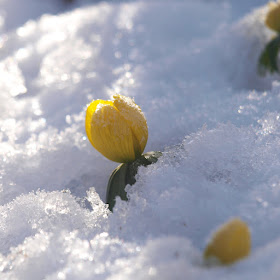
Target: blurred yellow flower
(273, 16)
(230, 243)
(117, 129)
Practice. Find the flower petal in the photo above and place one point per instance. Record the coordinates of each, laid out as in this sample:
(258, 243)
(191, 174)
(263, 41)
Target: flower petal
(230, 243)
(135, 119)
(108, 131)
(273, 16)
(90, 111)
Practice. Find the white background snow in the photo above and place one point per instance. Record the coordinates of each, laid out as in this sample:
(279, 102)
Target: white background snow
(191, 65)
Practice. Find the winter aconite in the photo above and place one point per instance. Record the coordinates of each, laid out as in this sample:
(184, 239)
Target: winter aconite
(230, 243)
(117, 129)
(273, 16)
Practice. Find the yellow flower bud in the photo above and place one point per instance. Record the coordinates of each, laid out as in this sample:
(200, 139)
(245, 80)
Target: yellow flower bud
(273, 16)
(230, 243)
(117, 129)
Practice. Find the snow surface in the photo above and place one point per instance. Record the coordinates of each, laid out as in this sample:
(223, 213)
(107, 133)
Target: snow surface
(191, 67)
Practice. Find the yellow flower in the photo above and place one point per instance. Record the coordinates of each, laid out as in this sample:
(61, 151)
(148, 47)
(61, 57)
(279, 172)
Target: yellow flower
(117, 129)
(230, 243)
(273, 16)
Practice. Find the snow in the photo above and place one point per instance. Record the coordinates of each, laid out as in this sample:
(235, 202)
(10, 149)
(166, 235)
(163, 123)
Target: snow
(192, 68)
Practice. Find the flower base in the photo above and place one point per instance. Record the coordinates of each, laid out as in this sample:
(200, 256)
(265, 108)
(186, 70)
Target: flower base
(268, 61)
(125, 174)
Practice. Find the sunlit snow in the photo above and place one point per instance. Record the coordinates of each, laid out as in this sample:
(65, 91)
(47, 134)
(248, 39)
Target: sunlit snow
(191, 65)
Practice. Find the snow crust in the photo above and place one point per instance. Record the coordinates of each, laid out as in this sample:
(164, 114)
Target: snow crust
(192, 68)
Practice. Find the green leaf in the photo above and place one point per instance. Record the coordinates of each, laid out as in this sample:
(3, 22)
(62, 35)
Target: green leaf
(125, 174)
(268, 58)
